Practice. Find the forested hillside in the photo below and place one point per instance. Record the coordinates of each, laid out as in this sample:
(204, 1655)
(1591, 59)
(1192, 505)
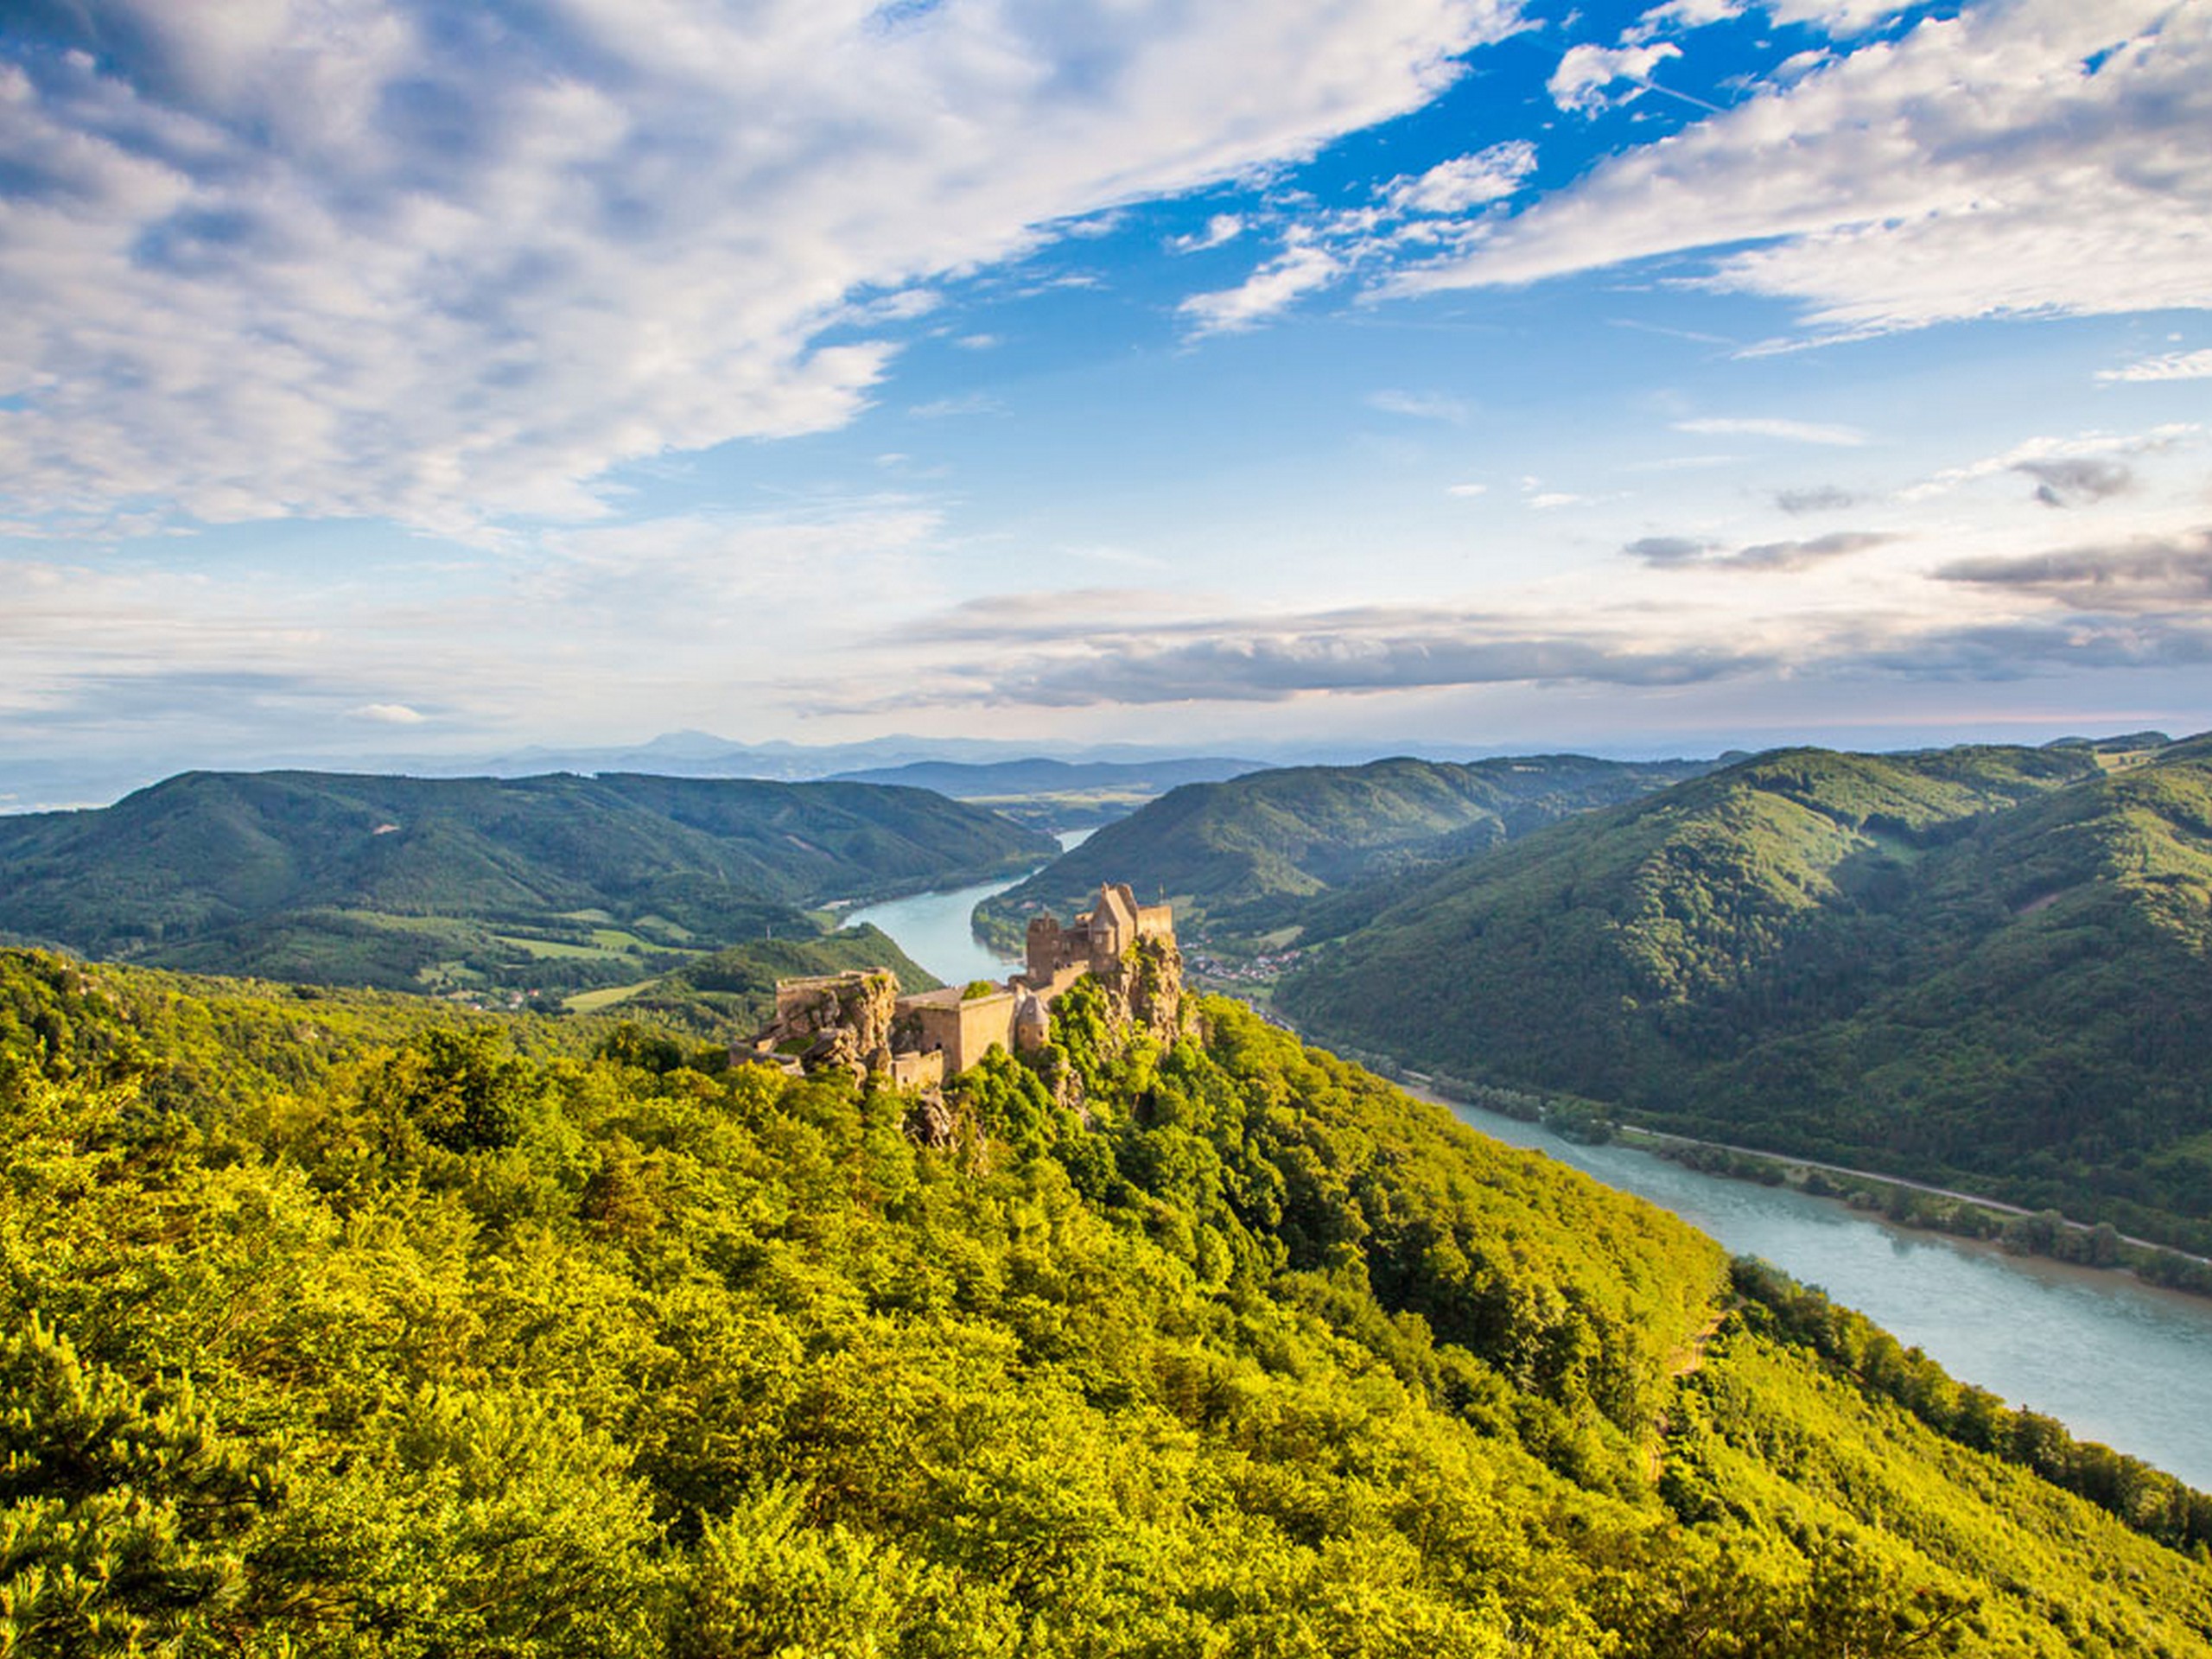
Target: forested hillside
(1984, 966)
(552, 882)
(329, 1326)
(1229, 855)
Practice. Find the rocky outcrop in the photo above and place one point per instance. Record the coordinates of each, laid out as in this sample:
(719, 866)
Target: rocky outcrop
(1144, 990)
(841, 1022)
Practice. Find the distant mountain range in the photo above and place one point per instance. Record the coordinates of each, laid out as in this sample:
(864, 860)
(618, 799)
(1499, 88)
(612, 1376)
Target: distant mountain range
(41, 783)
(1984, 966)
(546, 881)
(1039, 775)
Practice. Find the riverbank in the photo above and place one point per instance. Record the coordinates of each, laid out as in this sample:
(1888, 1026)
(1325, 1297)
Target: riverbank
(2049, 1235)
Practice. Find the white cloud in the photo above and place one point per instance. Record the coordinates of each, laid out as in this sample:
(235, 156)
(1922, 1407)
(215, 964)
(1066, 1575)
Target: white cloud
(1222, 228)
(1580, 83)
(390, 256)
(1767, 427)
(1975, 166)
(2174, 365)
(967, 403)
(1466, 181)
(1469, 491)
(2043, 452)
(1684, 14)
(1837, 17)
(1843, 17)
(1300, 271)
(391, 714)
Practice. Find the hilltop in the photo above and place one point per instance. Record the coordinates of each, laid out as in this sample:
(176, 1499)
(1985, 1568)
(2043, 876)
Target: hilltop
(1232, 856)
(548, 882)
(1983, 966)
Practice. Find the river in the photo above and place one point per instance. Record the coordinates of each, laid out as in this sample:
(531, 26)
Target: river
(2113, 1359)
(933, 928)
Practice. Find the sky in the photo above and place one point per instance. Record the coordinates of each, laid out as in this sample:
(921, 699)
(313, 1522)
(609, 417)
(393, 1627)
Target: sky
(393, 377)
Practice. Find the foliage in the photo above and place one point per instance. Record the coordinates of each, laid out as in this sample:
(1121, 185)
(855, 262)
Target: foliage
(2143, 1497)
(553, 882)
(1981, 968)
(1221, 1348)
(1232, 854)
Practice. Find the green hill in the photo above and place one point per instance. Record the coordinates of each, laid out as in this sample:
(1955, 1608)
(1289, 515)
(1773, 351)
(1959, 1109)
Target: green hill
(1986, 967)
(555, 882)
(1229, 855)
(334, 1324)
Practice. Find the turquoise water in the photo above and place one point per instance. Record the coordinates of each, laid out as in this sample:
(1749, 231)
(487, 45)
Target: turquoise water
(933, 927)
(2113, 1359)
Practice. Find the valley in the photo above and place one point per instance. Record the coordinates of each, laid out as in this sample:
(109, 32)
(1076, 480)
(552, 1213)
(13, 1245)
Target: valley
(1227, 1214)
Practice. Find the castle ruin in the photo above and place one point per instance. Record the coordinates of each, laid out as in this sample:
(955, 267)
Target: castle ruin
(857, 1020)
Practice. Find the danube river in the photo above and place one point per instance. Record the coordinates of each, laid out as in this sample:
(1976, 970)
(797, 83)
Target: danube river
(2114, 1360)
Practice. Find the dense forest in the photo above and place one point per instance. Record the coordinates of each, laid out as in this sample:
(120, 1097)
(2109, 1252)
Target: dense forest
(1233, 856)
(1986, 967)
(337, 1323)
(554, 883)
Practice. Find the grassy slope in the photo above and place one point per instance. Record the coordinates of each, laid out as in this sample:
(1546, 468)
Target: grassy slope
(1982, 963)
(1263, 1359)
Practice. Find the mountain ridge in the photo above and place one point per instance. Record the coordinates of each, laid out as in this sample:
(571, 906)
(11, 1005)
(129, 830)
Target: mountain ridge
(1986, 965)
(280, 865)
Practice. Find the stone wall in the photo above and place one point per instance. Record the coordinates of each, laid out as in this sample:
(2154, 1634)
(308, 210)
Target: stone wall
(962, 1028)
(859, 1022)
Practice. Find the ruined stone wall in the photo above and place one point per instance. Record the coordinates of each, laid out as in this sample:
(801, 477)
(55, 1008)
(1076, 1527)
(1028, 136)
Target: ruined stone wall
(861, 1002)
(963, 1027)
(918, 1070)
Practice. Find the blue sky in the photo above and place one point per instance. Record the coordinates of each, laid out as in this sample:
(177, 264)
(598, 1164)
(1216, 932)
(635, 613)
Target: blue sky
(383, 379)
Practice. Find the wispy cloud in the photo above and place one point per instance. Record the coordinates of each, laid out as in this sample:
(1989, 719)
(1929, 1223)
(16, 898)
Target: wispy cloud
(1992, 163)
(1272, 289)
(2071, 480)
(1680, 553)
(396, 258)
(2148, 574)
(2067, 460)
(1847, 437)
(1822, 498)
(1220, 229)
(967, 403)
(2173, 366)
(1216, 658)
(1465, 181)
